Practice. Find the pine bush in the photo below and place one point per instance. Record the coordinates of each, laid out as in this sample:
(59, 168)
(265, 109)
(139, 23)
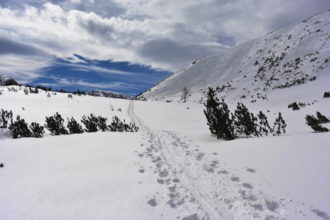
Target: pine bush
(37, 131)
(321, 118)
(19, 128)
(314, 123)
(55, 125)
(263, 127)
(326, 95)
(116, 125)
(102, 123)
(279, 125)
(218, 117)
(212, 106)
(294, 106)
(245, 122)
(91, 123)
(74, 127)
(6, 118)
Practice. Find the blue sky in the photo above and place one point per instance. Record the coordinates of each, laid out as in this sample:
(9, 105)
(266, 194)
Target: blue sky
(127, 46)
(86, 74)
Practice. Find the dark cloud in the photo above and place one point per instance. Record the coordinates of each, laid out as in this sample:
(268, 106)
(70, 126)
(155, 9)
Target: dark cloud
(294, 11)
(226, 40)
(176, 53)
(96, 28)
(11, 47)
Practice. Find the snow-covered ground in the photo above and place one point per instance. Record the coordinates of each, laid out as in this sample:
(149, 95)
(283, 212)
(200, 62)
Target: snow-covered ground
(171, 169)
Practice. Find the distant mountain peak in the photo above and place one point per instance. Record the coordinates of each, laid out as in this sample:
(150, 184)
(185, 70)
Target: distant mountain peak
(7, 81)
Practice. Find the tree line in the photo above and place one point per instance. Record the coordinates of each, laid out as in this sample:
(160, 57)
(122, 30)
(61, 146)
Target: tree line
(19, 128)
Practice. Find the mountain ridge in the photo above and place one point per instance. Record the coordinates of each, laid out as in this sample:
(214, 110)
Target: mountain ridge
(282, 59)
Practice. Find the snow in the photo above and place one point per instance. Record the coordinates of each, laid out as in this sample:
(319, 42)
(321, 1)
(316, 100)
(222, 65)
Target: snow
(236, 68)
(71, 177)
(173, 168)
(292, 167)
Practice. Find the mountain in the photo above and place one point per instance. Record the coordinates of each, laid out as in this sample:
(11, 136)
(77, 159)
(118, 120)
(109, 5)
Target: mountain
(108, 94)
(280, 60)
(7, 81)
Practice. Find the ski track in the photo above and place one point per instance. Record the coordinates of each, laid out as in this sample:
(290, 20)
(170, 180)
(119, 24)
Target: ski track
(202, 187)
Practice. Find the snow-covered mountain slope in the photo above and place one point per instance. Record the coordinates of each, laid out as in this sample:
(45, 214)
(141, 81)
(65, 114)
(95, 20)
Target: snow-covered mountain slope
(281, 60)
(7, 81)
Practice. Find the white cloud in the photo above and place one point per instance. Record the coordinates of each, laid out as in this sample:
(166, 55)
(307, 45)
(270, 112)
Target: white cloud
(76, 1)
(130, 30)
(60, 82)
(89, 68)
(23, 69)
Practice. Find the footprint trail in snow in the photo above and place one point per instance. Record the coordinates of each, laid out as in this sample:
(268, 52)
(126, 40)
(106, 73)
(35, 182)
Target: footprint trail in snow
(200, 186)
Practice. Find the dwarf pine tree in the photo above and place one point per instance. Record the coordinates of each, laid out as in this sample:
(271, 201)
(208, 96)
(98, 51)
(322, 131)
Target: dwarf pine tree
(218, 117)
(6, 118)
(90, 122)
(55, 124)
(245, 122)
(19, 128)
(102, 123)
(74, 127)
(279, 125)
(314, 123)
(116, 125)
(37, 130)
(263, 128)
(212, 106)
(225, 126)
(185, 94)
(321, 118)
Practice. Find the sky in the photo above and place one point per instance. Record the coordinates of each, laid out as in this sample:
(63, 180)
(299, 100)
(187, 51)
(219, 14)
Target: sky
(127, 46)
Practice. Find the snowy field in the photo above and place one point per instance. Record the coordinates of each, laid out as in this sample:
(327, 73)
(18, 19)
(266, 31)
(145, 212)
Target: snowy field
(171, 169)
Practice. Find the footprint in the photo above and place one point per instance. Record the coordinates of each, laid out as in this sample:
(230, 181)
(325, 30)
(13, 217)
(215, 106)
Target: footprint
(191, 217)
(248, 185)
(247, 196)
(172, 188)
(208, 169)
(199, 156)
(160, 181)
(214, 163)
(235, 179)
(223, 172)
(271, 205)
(141, 170)
(152, 202)
(250, 170)
(257, 207)
(163, 173)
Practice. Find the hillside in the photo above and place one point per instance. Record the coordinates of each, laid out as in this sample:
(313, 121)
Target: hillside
(287, 58)
(108, 94)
